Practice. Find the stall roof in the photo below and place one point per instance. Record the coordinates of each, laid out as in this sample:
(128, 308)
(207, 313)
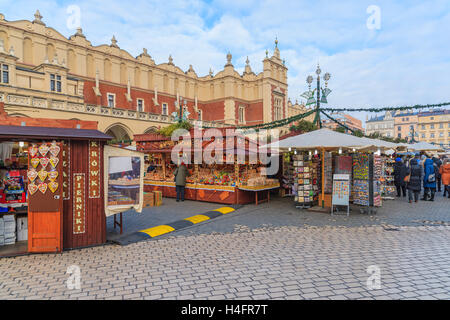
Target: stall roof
(323, 138)
(20, 132)
(424, 146)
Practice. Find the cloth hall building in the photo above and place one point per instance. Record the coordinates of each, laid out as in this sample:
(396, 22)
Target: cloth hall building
(46, 75)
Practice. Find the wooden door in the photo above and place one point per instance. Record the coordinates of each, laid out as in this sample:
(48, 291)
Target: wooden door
(45, 205)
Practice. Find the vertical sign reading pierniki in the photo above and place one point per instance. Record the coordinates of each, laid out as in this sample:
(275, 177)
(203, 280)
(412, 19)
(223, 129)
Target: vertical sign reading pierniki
(94, 169)
(66, 170)
(79, 203)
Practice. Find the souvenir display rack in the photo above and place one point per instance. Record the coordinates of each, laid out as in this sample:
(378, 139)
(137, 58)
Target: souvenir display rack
(307, 178)
(367, 172)
(388, 190)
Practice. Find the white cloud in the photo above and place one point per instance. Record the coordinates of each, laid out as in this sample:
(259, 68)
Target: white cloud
(405, 62)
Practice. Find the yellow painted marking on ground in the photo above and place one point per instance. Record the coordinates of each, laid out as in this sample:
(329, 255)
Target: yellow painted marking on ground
(224, 210)
(157, 231)
(198, 218)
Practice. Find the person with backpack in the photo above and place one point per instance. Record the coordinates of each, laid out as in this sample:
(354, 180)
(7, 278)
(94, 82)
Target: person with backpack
(414, 184)
(400, 172)
(429, 180)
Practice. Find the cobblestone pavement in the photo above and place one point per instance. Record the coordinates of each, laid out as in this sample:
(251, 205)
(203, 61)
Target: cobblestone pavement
(285, 262)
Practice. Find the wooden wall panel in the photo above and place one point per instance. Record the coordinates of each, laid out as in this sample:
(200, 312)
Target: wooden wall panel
(95, 230)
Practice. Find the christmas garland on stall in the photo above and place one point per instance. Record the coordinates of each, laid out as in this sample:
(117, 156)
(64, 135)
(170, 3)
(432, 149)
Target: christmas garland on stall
(415, 107)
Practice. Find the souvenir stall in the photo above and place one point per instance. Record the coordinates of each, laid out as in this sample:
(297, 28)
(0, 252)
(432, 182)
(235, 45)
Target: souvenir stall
(51, 189)
(327, 165)
(232, 182)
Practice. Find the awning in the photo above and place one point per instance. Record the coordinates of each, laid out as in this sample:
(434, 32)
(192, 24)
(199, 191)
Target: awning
(24, 132)
(323, 138)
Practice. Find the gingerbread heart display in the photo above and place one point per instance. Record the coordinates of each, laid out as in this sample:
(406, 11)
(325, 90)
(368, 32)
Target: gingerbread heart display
(43, 149)
(53, 186)
(53, 175)
(43, 187)
(33, 150)
(32, 174)
(32, 188)
(34, 162)
(44, 162)
(54, 150)
(42, 175)
(54, 161)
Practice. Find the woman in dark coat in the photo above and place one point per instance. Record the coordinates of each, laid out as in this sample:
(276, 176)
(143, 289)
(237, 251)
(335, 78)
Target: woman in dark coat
(400, 172)
(415, 180)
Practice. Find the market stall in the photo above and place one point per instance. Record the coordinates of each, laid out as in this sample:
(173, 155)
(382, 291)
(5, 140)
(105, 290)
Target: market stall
(51, 189)
(318, 156)
(228, 182)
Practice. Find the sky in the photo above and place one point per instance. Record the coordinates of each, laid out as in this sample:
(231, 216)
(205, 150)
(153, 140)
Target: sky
(379, 53)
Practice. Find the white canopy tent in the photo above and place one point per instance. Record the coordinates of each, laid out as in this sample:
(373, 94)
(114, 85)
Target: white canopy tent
(323, 139)
(424, 146)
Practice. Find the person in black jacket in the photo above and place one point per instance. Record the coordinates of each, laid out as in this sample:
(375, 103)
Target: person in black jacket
(400, 172)
(415, 180)
(438, 164)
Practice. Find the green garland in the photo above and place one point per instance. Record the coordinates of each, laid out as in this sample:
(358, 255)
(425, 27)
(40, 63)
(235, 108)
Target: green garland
(336, 121)
(415, 107)
(286, 121)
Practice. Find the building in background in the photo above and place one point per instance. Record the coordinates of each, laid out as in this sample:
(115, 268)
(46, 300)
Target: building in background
(383, 124)
(47, 75)
(405, 124)
(345, 119)
(434, 126)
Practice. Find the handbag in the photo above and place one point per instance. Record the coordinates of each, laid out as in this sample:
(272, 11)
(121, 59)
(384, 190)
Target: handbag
(432, 177)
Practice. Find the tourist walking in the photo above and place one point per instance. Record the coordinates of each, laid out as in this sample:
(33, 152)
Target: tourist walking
(429, 180)
(400, 172)
(445, 175)
(414, 184)
(181, 173)
(438, 164)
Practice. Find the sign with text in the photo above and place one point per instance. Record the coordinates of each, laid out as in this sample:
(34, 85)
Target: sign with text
(79, 203)
(94, 169)
(341, 189)
(66, 170)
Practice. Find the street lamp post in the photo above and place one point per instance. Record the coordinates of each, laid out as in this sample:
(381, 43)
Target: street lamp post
(309, 95)
(180, 113)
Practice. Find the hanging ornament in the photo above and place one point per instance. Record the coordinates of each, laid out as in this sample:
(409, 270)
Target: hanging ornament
(53, 186)
(43, 162)
(43, 149)
(53, 175)
(54, 161)
(42, 175)
(32, 174)
(34, 162)
(54, 149)
(33, 150)
(32, 188)
(43, 187)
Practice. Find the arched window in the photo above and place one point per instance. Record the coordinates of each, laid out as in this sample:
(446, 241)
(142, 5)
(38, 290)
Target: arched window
(90, 70)
(123, 73)
(27, 51)
(137, 77)
(50, 52)
(5, 39)
(71, 61)
(107, 67)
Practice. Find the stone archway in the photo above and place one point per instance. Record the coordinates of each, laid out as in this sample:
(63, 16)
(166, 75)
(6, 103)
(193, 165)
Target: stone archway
(119, 132)
(151, 130)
